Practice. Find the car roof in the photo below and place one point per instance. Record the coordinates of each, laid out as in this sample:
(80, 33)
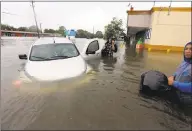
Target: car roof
(52, 40)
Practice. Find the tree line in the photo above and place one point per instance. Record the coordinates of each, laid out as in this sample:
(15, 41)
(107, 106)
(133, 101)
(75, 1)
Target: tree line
(11, 28)
(33, 28)
(61, 30)
(113, 29)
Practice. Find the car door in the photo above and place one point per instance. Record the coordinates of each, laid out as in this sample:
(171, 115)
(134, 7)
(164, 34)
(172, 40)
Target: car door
(92, 50)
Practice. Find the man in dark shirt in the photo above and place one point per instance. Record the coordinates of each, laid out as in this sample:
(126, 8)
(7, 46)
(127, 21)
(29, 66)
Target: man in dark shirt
(109, 48)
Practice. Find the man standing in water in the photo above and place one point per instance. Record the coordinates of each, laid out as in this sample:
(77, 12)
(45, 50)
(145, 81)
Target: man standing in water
(109, 48)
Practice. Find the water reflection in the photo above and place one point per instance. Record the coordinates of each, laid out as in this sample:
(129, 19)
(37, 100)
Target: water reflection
(169, 108)
(140, 53)
(95, 64)
(109, 64)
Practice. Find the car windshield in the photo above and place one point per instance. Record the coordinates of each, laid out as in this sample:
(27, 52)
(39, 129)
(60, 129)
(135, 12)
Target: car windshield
(53, 52)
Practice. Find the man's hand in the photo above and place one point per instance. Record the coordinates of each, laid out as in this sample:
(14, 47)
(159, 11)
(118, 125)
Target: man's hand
(170, 80)
(113, 46)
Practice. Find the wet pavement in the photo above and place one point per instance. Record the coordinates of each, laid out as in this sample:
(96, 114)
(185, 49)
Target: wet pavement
(107, 98)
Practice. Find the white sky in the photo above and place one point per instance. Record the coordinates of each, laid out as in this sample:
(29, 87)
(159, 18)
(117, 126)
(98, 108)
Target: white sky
(73, 15)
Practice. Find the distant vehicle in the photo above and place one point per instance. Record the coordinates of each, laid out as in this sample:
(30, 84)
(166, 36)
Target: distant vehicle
(51, 59)
(70, 34)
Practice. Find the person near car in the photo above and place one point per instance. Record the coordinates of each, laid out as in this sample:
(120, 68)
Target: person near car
(110, 47)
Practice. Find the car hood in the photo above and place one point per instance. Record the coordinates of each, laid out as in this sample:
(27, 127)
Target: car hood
(56, 69)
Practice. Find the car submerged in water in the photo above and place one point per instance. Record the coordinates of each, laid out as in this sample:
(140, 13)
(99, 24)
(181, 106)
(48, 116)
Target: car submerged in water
(53, 59)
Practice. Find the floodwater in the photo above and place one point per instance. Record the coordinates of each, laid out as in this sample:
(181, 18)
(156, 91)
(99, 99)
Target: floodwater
(107, 98)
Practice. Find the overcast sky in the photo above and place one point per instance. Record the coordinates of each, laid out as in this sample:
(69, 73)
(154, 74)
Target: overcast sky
(73, 15)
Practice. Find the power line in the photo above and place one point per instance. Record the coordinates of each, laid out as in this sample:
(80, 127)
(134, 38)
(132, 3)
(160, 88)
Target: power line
(9, 13)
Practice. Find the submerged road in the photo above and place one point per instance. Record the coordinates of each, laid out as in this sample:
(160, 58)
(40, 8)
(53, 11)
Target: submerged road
(107, 98)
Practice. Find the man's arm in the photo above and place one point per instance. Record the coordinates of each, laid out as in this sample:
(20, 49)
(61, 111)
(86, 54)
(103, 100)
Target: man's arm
(176, 71)
(184, 87)
(114, 48)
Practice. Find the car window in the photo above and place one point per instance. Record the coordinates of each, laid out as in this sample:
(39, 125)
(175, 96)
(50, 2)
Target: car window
(93, 46)
(53, 52)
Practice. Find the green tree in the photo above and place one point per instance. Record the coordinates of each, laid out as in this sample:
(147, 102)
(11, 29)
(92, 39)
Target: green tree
(99, 34)
(91, 35)
(49, 31)
(81, 34)
(84, 34)
(33, 28)
(22, 29)
(61, 30)
(7, 27)
(114, 28)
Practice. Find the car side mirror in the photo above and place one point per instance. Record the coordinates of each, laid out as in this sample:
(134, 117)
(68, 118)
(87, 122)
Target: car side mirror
(23, 56)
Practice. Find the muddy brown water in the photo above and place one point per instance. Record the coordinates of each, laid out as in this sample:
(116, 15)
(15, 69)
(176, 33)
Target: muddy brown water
(107, 98)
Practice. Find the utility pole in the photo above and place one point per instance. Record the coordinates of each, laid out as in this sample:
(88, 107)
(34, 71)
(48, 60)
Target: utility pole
(35, 19)
(169, 8)
(127, 39)
(41, 28)
(93, 30)
(128, 18)
(154, 4)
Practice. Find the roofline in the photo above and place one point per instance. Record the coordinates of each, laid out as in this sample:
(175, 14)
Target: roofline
(173, 9)
(139, 12)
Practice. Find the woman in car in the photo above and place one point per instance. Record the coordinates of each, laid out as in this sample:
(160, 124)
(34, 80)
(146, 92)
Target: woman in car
(181, 79)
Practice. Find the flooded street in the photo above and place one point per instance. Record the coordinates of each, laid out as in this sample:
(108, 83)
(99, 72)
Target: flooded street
(107, 98)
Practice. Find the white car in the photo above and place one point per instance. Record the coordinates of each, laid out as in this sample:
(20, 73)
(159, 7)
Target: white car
(51, 59)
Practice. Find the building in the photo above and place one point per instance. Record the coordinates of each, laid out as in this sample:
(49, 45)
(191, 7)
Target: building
(25, 34)
(161, 28)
